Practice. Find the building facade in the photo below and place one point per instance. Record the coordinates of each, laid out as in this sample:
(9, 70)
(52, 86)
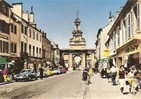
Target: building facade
(125, 35)
(30, 35)
(5, 14)
(55, 53)
(19, 36)
(102, 51)
(47, 50)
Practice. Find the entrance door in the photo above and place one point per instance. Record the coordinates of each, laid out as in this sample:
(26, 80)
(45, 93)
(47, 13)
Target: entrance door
(134, 60)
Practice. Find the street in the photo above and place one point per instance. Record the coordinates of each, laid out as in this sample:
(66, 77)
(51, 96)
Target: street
(66, 86)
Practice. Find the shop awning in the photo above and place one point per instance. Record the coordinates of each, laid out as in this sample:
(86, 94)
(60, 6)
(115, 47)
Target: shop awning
(3, 59)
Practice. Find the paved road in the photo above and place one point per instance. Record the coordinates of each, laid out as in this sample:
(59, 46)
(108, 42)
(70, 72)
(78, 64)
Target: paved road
(67, 86)
(59, 87)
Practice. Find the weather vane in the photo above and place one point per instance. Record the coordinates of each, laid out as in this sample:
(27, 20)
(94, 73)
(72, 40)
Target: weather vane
(77, 14)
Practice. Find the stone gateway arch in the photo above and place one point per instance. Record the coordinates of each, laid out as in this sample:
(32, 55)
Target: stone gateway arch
(77, 56)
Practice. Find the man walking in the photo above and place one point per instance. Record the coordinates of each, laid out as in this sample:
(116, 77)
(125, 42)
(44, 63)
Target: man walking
(41, 72)
(114, 74)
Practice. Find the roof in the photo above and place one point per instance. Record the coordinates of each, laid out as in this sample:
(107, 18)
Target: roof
(6, 3)
(124, 10)
(99, 31)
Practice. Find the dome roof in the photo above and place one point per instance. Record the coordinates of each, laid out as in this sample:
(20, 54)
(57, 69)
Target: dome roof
(77, 20)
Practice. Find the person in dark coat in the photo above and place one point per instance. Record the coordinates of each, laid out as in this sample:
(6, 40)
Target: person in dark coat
(41, 70)
(85, 74)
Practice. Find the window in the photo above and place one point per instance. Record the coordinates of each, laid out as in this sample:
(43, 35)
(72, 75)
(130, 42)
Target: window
(33, 50)
(22, 28)
(11, 25)
(0, 46)
(114, 39)
(118, 35)
(29, 50)
(126, 29)
(37, 51)
(137, 15)
(15, 48)
(40, 51)
(4, 27)
(30, 33)
(33, 34)
(37, 36)
(40, 38)
(25, 28)
(15, 29)
(11, 47)
(22, 46)
(5, 47)
(4, 8)
(129, 26)
(25, 47)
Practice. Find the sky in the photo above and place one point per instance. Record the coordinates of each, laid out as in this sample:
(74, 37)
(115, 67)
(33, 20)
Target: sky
(56, 17)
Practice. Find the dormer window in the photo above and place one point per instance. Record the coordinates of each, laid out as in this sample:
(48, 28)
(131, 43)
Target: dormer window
(4, 8)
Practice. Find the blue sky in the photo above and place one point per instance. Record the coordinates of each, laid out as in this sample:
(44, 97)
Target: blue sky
(56, 17)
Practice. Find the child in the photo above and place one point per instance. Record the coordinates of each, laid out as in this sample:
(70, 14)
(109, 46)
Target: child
(126, 88)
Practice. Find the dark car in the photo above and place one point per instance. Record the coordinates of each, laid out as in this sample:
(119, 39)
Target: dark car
(26, 75)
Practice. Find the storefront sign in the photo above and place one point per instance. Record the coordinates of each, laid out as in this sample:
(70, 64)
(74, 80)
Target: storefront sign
(106, 52)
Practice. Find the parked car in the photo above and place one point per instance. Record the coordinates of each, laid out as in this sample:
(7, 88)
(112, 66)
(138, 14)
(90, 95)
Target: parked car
(63, 70)
(48, 72)
(26, 75)
(57, 71)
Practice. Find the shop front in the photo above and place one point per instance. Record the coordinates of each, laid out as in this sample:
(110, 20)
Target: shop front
(130, 54)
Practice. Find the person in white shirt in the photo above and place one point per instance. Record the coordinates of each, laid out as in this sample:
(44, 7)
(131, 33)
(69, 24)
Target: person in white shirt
(114, 74)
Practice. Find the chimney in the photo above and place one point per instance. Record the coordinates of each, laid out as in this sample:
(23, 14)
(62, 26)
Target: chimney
(45, 35)
(26, 16)
(31, 16)
(110, 17)
(17, 8)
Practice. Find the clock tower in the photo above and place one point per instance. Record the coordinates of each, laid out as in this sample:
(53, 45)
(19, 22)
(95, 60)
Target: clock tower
(77, 41)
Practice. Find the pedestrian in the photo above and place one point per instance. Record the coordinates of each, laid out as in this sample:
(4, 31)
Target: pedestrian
(126, 89)
(122, 81)
(34, 68)
(114, 74)
(132, 80)
(85, 74)
(41, 72)
(90, 74)
(108, 74)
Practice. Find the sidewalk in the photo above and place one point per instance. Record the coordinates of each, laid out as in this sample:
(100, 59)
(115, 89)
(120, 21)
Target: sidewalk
(101, 89)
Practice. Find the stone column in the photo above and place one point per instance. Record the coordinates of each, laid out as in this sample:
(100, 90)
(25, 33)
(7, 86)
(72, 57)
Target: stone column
(70, 61)
(83, 64)
(93, 60)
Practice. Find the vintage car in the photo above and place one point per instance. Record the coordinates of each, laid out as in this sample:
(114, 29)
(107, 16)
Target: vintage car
(25, 75)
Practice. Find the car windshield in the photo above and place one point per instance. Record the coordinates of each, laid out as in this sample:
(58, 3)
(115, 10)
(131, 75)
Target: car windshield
(25, 71)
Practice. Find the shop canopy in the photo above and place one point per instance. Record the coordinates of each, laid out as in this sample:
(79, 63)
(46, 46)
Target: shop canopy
(3, 60)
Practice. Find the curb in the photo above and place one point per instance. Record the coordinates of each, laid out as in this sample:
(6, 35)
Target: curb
(4, 83)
